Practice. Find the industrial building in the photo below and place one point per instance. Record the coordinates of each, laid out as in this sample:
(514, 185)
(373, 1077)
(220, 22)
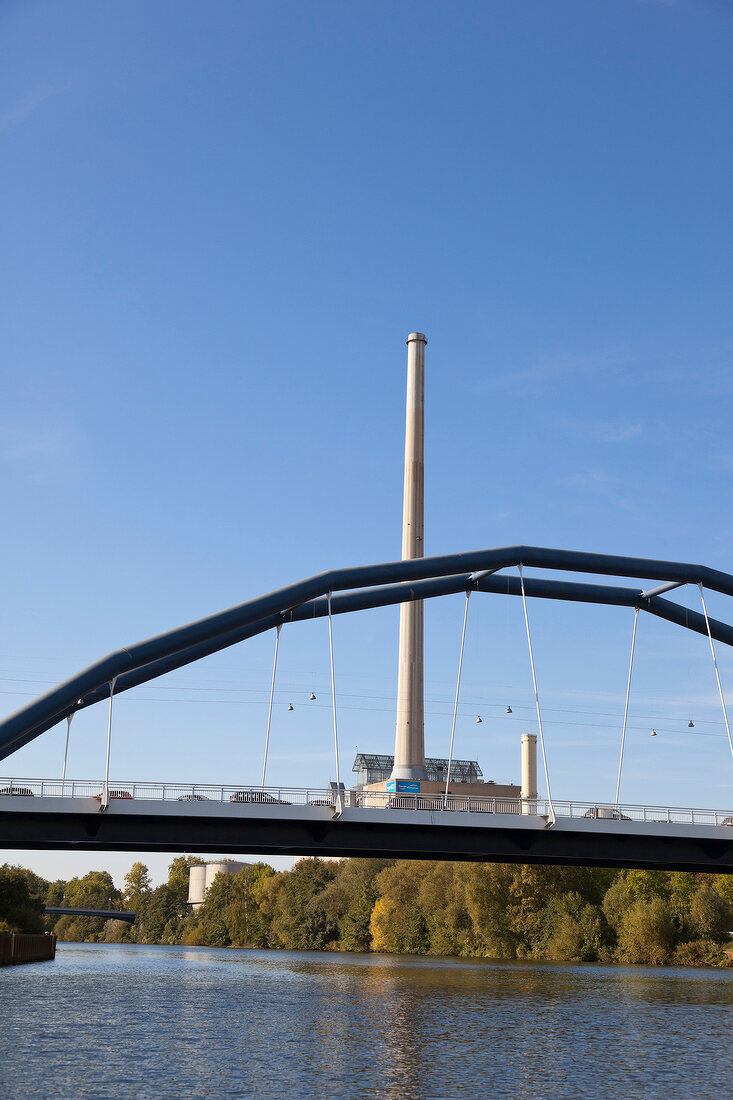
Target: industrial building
(372, 767)
(374, 770)
(201, 876)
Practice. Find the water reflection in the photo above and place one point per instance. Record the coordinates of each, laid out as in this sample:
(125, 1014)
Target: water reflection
(115, 1020)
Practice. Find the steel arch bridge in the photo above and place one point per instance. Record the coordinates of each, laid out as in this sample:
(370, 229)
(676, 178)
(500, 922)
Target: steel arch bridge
(191, 818)
(368, 586)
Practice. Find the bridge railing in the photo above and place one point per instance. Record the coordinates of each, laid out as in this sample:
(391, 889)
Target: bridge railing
(199, 793)
(167, 792)
(602, 811)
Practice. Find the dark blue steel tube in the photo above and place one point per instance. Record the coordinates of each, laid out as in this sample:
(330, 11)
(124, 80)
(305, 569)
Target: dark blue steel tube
(400, 581)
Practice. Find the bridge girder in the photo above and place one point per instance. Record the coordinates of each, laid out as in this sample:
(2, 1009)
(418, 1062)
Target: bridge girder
(394, 834)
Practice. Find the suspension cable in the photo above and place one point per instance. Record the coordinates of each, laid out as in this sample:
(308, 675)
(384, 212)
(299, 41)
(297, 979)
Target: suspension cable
(66, 750)
(269, 710)
(333, 698)
(112, 683)
(626, 708)
(536, 698)
(455, 708)
(715, 666)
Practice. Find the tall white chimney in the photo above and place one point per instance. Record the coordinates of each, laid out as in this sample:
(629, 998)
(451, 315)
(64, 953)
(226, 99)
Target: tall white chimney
(409, 754)
(529, 772)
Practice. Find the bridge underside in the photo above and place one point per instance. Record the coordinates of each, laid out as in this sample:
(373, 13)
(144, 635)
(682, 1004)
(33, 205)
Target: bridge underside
(399, 835)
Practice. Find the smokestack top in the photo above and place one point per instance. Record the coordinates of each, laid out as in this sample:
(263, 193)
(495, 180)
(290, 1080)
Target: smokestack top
(416, 336)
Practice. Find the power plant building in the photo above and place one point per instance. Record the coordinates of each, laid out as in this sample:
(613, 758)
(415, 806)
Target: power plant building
(201, 876)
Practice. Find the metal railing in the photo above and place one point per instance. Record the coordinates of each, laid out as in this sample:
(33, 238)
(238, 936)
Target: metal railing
(167, 792)
(366, 800)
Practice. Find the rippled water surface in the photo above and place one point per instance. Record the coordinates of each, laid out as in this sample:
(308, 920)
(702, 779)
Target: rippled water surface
(118, 1021)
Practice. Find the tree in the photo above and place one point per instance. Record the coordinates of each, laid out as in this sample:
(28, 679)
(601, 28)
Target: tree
(137, 886)
(488, 894)
(648, 884)
(398, 924)
(354, 933)
(647, 932)
(245, 922)
(55, 892)
(574, 930)
(161, 916)
(532, 887)
(711, 915)
(300, 918)
(95, 890)
(616, 904)
(22, 900)
(178, 874)
(442, 898)
(724, 886)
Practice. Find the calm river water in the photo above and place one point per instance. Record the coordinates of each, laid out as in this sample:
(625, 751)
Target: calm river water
(148, 1022)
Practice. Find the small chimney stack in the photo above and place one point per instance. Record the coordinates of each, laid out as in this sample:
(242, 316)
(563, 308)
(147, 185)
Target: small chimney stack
(529, 772)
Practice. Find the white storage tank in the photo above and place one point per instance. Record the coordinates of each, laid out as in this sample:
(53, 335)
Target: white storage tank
(222, 866)
(196, 884)
(202, 875)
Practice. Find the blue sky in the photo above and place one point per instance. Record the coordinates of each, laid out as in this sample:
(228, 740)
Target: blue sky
(219, 224)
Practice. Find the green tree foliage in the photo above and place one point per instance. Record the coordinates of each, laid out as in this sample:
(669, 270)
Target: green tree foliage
(95, 890)
(699, 953)
(488, 895)
(646, 885)
(137, 886)
(55, 892)
(569, 914)
(616, 903)
(22, 900)
(647, 932)
(574, 930)
(178, 872)
(162, 912)
(301, 918)
(710, 914)
(399, 924)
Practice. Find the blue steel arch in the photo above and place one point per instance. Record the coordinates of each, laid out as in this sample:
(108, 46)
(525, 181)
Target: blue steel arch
(362, 587)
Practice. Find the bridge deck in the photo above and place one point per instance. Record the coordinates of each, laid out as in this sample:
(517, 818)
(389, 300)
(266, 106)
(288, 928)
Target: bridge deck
(468, 829)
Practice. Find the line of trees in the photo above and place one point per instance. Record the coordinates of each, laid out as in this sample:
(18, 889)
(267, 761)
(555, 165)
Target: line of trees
(495, 910)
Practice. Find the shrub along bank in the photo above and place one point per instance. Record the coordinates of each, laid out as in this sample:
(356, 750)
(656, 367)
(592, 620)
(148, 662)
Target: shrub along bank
(403, 907)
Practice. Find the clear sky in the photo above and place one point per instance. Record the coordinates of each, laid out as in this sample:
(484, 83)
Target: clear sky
(219, 223)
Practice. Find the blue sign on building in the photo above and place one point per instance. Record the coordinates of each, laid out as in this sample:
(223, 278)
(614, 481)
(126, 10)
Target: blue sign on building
(404, 786)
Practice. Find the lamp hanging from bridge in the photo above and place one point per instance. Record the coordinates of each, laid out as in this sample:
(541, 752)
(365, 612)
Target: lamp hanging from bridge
(479, 718)
(312, 696)
(690, 725)
(290, 706)
(509, 710)
(653, 733)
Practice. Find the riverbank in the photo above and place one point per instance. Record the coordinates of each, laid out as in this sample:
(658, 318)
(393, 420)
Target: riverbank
(401, 907)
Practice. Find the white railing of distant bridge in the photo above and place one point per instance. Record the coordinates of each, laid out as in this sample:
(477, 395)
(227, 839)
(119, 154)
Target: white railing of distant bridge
(198, 793)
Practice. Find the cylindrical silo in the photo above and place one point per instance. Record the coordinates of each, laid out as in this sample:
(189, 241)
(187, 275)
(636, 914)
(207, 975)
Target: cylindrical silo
(196, 884)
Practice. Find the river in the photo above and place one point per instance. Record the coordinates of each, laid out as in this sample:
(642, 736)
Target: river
(122, 1021)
